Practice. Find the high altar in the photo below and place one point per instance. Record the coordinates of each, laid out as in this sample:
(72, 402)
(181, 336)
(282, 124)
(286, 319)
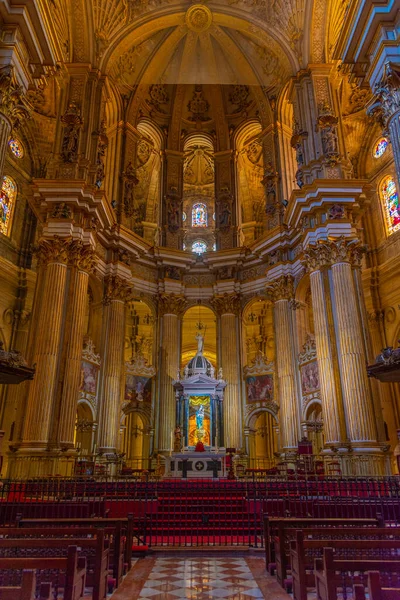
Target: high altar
(199, 420)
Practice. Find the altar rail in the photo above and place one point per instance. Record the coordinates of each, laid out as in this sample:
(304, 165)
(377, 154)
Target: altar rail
(201, 512)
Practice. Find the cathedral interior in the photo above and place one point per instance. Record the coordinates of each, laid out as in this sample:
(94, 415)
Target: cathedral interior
(199, 224)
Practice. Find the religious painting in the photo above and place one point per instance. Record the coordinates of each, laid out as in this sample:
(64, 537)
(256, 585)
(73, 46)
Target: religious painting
(309, 378)
(137, 388)
(88, 378)
(260, 388)
(199, 420)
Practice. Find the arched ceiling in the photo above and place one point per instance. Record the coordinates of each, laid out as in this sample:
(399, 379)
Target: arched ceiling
(200, 45)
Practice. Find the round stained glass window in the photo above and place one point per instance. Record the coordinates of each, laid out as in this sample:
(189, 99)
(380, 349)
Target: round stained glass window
(199, 247)
(380, 147)
(16, 148)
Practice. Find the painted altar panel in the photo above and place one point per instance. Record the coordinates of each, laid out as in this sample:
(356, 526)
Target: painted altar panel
(260, 388)
(199, 420)
(309, 378)
(89, 373)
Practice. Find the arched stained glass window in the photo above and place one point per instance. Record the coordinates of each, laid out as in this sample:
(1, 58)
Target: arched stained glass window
(199, 247)
(380, 147)
(390, 197)
(8, 194)
(199, 215)
(16, 147)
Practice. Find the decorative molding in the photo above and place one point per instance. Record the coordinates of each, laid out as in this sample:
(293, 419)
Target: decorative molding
(54, 250)
(387, 91)
(116, 288)
(259, 366)
(89, 352)
(12, 100)
(139, 366)
(73, 123)
(258, 407)
(309, 351)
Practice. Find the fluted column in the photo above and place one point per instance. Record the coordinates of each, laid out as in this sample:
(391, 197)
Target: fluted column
(338, 258)
(53, 257)
(12, 110)
(171, 308)
(280, 292)
(117, 292)
(82, 262)
(331, 397)
(228, 308)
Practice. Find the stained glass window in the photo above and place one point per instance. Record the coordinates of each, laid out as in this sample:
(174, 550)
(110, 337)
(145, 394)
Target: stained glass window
(16, 148)
(199, 247)
(390, 197)
(183, 216)
(380, 147)
(8, 194)
(199, 215)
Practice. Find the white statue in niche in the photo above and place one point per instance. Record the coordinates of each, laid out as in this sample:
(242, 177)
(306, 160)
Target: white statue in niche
(200, 343)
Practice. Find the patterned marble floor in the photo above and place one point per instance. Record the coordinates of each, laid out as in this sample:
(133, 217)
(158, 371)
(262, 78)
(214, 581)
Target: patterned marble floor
(199, 578)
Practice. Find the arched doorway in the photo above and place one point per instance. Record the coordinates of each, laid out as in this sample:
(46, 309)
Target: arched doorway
(135, 441)
(85, 429)
(315, 427)
(263, 440)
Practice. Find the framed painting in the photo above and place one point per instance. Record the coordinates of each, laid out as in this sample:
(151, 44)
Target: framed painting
(309, 378)
(260, 388)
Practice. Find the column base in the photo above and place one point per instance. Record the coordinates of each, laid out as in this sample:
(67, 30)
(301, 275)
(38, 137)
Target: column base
(27, 463)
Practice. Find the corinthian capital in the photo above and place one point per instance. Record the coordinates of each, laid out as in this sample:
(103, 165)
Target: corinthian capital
(12, 101)
(83, 257)
(280, 289)
(171, 304)
(228, 304)
(116, 288)
(54, 250)
(326, 254)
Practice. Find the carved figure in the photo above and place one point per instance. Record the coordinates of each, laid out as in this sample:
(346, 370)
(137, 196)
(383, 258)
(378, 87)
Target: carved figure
(200, 343)
(177, 439)
(225, 216)
(200, 417)
(173, 214)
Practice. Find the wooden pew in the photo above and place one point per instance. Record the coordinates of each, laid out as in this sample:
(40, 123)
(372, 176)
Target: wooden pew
(127, 528)
(375, 591)
(113, 534)
(303, 551)
(27, 591)
(332, 573)
(71, 570)
(285, 533)
(271, 525)
(95, 550)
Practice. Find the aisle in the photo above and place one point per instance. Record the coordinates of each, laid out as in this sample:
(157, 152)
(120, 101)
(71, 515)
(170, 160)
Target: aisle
(199, 578)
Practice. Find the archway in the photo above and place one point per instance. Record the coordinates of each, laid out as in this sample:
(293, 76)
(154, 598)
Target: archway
(263, 440)
(85, 429)
(135, 440)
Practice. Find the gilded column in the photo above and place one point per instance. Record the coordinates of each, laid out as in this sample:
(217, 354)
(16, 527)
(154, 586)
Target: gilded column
(53, 256)
(280, 292)
(171, 308)
(12, 110)
(331, 396)
(227, 308)
(82, 261)
(117, 292)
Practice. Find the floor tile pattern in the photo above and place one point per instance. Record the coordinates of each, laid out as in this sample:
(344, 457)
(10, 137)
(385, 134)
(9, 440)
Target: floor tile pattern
(200, 579)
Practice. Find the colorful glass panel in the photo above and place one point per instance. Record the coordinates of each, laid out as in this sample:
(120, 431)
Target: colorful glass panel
(16, 148)
(199, 247)
(184, 217)
(199, 215)
(380, 147)
(8, 193)
(390, 197)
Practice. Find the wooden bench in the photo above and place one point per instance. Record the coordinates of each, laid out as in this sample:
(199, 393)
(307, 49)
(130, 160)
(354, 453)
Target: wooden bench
(375, 591)
(69, 572)
(332, 574)
(27, 591)
(95, 550)
(127, 528)
(280, 531)
(303, 551)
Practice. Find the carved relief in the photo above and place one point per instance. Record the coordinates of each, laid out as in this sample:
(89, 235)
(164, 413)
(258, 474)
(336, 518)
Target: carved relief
(102, 145)
(171, 304)
(129, 182)
(198, 106)
(328, 253)
(12, 100)
(280, 289)
(73, 124)
(116, 288)
(228, 304)
(388, 90)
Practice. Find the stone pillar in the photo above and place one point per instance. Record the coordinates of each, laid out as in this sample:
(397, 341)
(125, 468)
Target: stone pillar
(12, 110)
(117, 292)
(388, 95)
(340, 257)
(54, 258)
(328, 367)
(280, 292)
(171, 309)
(227, 308)
(82, 262)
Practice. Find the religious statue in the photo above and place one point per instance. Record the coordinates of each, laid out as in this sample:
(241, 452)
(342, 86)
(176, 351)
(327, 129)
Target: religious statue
(177, 439)
(200, 417)
(200, 343)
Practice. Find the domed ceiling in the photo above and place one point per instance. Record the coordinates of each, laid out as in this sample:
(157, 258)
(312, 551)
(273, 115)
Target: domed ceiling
(201, 46)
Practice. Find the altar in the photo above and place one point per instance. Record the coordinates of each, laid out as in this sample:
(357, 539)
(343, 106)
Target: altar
(197, 443)
(197, 465)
